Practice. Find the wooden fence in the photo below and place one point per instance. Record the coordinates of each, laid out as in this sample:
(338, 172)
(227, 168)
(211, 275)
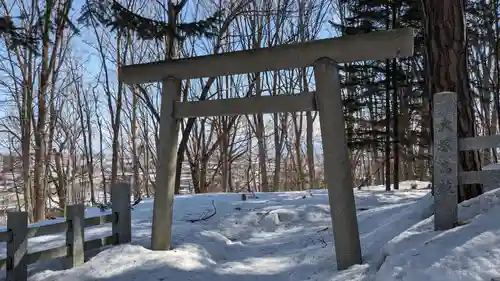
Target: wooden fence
(18, 233)
(446, 148)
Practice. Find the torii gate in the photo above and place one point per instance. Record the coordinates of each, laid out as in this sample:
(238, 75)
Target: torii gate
(323, 55)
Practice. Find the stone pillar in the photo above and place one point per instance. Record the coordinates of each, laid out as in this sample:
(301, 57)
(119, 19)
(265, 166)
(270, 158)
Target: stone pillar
(161, 236)
(445, 160)
(338, 172)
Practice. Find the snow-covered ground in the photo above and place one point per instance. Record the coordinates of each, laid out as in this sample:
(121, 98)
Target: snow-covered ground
(288, 236)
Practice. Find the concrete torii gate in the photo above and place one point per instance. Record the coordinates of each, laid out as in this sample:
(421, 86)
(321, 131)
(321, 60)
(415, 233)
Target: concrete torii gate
(323, 55)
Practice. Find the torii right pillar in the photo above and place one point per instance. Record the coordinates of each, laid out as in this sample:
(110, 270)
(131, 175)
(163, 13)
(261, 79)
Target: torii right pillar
(337, 165)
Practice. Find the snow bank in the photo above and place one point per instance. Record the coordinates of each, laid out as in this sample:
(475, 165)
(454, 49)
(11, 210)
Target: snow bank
(404, 185)
(468, 252)
(288, 236)
(276, 236)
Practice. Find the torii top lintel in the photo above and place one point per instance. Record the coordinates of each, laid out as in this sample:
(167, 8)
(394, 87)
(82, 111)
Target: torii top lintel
(377, 45)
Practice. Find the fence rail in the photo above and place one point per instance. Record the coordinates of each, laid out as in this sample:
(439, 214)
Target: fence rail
(17, 235)
(446, 148)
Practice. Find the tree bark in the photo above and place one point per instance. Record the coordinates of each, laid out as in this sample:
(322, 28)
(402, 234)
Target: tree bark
(447, 70)
(133, 129)
(387, 144)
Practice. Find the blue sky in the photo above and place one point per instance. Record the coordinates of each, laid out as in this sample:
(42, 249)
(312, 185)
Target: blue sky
(87, 54)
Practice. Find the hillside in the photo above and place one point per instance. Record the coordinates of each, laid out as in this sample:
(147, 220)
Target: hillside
(288, 236)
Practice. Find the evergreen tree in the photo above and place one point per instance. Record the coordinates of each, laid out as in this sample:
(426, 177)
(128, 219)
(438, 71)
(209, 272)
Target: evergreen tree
(16, 36)
(371, 84)
(112, 14)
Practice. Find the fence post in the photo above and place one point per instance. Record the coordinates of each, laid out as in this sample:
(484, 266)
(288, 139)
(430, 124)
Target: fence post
(445, 160)
(75, 235)
(120, 202)
(17, 266)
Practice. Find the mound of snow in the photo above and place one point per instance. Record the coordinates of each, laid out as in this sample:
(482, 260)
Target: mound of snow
(401, 218)
(469, 252)
(116, 263)
(279, 236)
(274, 218)
(288, 236)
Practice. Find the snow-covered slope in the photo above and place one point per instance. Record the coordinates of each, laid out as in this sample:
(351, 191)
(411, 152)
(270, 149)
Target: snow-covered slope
(468, 252)
(288, 236)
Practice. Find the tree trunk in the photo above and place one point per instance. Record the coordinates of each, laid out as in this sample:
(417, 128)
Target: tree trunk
(62, 180)
(387, 144)
(408, 142)
(26, 150)
(297, 124)
(261, 141)
(395, 127)
(195, 176)
(90, 151)
(136, 163)
(279, 125)
(116, 118)
(446, 62)
(225, 155)
(310, 150)
(101, 148)
(277, 153)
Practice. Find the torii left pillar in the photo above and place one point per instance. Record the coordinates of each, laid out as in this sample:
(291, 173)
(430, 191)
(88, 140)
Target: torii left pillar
(163, 208)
